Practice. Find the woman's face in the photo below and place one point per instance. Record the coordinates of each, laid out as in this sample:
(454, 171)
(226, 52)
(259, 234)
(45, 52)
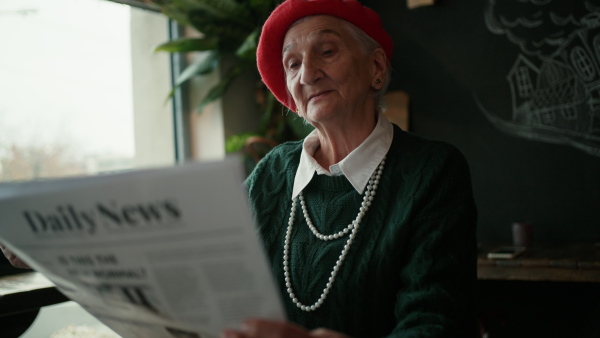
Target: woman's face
(327, 73)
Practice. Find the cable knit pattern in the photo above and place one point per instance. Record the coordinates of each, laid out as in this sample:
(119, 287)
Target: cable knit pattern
(411, 271)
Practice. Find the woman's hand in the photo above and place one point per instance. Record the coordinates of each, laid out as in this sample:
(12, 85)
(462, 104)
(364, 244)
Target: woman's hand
(260, 328)
(12, 258)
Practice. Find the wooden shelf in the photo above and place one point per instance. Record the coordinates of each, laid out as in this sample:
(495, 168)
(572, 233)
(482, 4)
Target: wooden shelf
(561, 263)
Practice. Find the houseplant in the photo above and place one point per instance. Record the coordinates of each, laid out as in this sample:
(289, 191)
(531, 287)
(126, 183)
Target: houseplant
(229, 31)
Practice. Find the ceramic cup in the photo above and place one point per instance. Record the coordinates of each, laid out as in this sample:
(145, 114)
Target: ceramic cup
(522, 234)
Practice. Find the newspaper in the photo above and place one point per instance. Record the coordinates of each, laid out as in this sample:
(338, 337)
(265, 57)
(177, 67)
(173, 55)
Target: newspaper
(167, 252)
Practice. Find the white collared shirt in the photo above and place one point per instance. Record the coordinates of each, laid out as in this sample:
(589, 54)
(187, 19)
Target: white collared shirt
(357, 166)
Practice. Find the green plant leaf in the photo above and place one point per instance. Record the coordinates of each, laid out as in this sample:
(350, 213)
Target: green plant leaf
(261, 7)
(227, 7)
(189, 45)
(237, 142)
(203, 67)
(220, 89)
(176, 13)
(247, 50)
(215, 26)
(231, 10)
(268, 112)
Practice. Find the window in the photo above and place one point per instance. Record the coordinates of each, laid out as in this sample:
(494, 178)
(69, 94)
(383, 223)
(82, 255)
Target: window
(569, 112)
(552, 74)
(583, 63)
(524, 82)
(547, 116)
(597, 46)
(82, 93)
(82, 90)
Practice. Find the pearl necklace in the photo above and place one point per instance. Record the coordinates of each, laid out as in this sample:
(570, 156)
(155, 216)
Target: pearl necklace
(352, 228)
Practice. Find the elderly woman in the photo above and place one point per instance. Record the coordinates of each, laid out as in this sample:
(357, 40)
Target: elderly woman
(370, 230)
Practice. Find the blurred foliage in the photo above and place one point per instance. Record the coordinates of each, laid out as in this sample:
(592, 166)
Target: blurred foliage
(230, 30)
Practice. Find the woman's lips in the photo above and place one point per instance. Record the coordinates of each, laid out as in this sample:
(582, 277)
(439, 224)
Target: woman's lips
(319, 95)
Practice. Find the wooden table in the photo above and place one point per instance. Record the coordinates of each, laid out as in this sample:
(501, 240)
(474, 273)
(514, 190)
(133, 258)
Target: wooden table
(561, 263)
(21, 297)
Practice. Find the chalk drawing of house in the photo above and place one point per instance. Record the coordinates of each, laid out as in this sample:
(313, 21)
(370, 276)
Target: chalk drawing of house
(561, 97)
(521, 78)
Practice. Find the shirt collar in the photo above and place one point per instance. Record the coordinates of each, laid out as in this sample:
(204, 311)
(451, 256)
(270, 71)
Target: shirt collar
(357, 166)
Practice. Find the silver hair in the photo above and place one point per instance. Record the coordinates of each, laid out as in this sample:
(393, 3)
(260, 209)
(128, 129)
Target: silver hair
(367, 44)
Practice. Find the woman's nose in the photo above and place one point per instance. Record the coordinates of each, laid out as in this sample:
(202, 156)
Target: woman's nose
(310, 72)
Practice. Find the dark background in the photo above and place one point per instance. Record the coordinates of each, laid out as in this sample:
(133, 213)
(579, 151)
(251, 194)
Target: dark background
(445, 57)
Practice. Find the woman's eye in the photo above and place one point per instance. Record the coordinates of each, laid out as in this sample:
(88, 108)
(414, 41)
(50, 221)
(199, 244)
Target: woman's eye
(294, 65)
(327, 52)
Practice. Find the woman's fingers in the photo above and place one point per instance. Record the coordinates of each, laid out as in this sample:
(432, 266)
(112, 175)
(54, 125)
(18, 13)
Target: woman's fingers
(12, 258)
(261, 328)
(325, 333)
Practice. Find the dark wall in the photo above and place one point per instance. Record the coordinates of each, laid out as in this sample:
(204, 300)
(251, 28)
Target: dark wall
(456, 72)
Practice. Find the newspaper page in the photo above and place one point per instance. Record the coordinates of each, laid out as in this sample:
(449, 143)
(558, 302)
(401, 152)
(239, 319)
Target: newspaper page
(167, 252)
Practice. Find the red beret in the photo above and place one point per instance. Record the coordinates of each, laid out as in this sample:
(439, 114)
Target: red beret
(270, 44)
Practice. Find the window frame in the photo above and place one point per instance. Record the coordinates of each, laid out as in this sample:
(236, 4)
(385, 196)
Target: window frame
(180, 99)
(138, 4)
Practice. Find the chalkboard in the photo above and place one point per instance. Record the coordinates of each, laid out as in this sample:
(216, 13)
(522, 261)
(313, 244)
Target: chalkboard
(515, 85)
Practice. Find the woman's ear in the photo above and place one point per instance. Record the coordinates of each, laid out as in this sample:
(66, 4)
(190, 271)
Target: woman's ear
(378, 68)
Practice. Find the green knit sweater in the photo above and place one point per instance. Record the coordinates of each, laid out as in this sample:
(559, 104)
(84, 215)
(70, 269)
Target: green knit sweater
(411, 270)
